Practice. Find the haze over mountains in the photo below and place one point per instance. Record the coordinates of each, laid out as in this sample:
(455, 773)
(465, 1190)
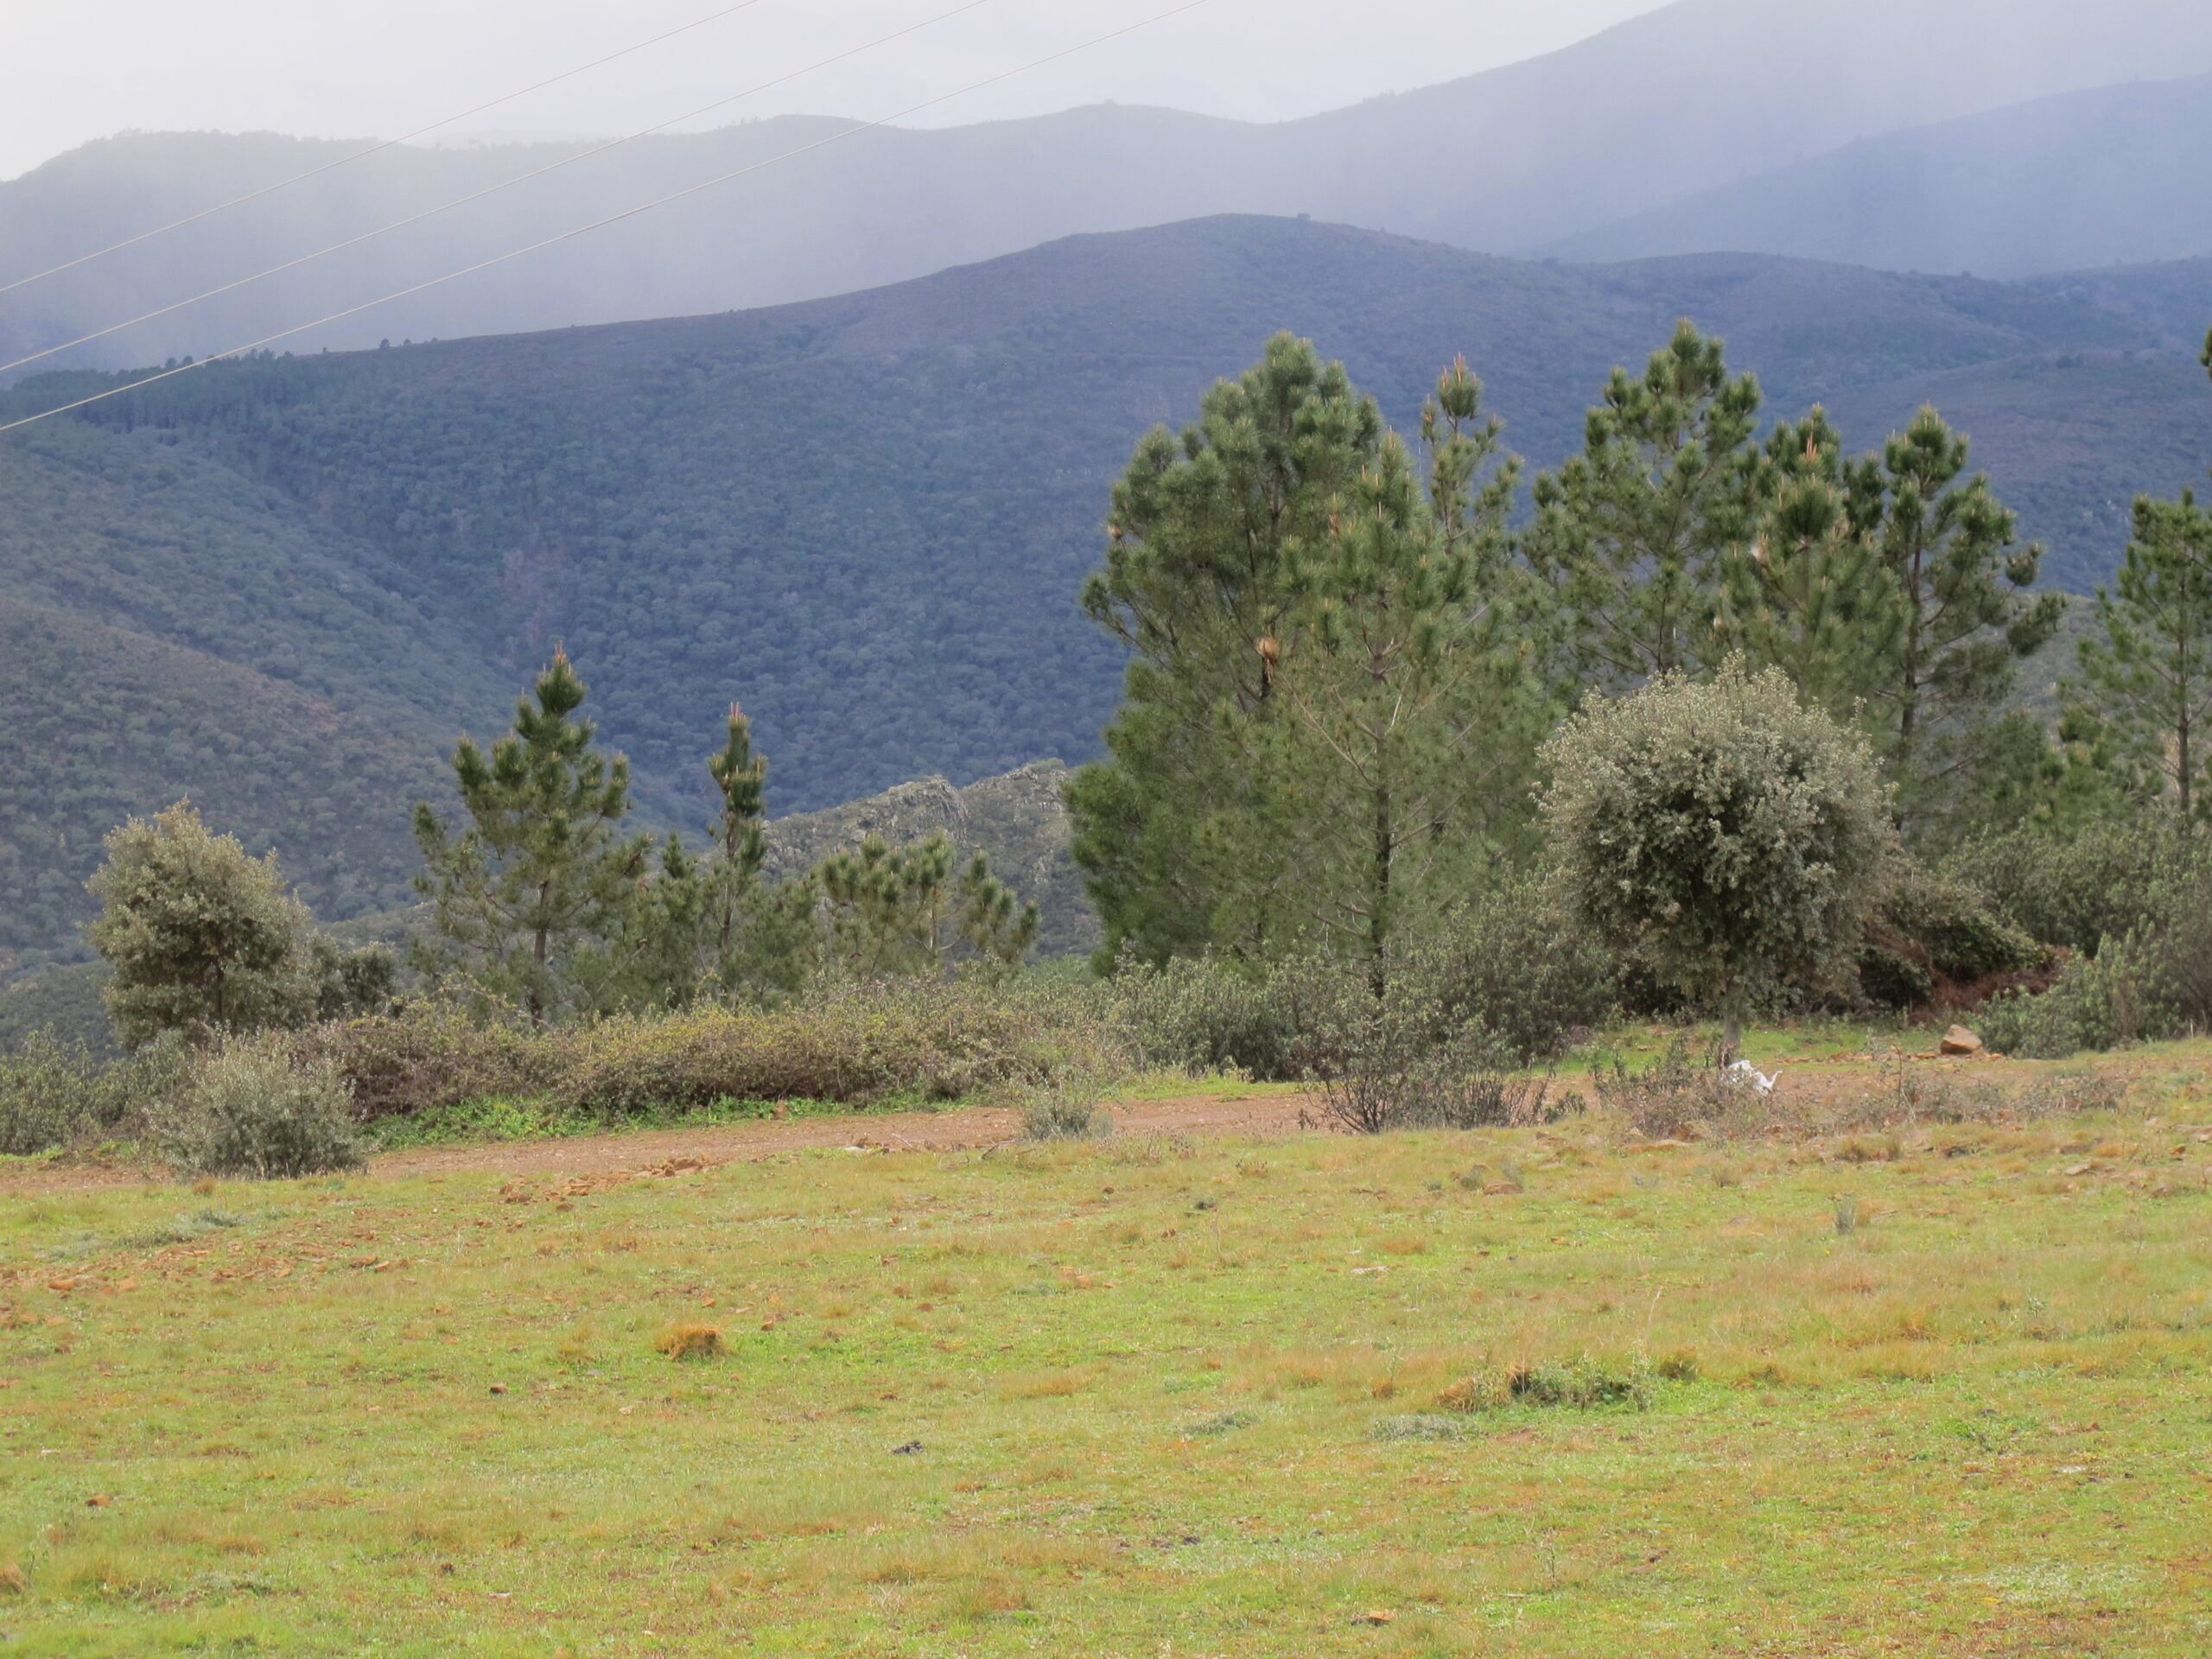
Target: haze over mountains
(283, 586)
(1708, 113)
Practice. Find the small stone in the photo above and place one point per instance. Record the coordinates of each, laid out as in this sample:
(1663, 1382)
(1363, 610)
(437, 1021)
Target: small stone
(1959, 1042)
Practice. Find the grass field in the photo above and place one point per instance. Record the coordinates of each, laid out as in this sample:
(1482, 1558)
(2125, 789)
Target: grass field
(1944, 1391)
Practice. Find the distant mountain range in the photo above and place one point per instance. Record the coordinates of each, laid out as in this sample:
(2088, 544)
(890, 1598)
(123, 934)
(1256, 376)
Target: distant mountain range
(283, 586)
(2119, 175)
(1708, 125)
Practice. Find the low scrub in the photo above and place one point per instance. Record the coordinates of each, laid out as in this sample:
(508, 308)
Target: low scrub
(254, 1109)
(2126, 993)
(1687, 1096)
(857, 1046)
(54, 1093)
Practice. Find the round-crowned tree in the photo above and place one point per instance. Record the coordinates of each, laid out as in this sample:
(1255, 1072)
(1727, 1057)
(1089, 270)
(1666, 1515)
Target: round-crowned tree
(1730, 837)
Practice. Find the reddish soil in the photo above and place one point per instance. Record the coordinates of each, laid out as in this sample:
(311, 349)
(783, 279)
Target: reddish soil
(590, 1157)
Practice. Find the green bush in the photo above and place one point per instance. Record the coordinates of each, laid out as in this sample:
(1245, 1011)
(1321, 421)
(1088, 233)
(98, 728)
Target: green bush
(1932, 929)
(1514, 963)
(1206, 1013)
(2113, 880)
(427, 1054)
(1509, 964)
(253, 1109)
(2124, 994)
(54, 1092)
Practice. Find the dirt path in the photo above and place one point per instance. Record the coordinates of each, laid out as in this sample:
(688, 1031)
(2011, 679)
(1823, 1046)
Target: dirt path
(1259, 1116)
(969, 1129)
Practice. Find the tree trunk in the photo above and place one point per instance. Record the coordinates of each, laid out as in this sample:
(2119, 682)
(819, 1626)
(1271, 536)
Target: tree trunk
(1732, 1034)
(1378, 915)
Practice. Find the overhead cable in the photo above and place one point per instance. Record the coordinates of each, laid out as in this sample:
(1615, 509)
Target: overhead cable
(373, 150)
(494, 189)
(614, 219)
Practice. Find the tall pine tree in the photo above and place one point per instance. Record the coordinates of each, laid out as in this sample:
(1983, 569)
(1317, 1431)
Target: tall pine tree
(1811, 594)
(1952, 549)
(1631, 535)
(1183, 844)
(531, 897)
(2148, 680)
(1414, 712)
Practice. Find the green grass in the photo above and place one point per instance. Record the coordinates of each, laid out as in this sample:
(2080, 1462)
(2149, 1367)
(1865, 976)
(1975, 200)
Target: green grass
(500, 1120)
(1169, 1398)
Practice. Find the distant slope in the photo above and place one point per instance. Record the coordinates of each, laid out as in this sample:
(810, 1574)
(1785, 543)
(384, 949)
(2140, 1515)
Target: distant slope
(867, 518)
(2118, 175)
(103, 724)
(1018, 819)
(1699, 95)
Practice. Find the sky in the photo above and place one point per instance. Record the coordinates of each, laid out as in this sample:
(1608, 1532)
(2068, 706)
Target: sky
(72, 71)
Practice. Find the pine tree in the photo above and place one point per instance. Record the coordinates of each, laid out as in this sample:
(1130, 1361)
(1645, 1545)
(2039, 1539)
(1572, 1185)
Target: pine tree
(1631, 534)
(1183, 844)
(741, 780)
(1414, 712)
(899, 911)
(530, 897)
(2149, 680)
(1952, 549)
(1811, 595)
(200, 938)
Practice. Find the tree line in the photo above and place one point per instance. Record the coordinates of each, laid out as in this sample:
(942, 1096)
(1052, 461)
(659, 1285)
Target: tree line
(1352, 662)
(1728, 686)
(542, 900)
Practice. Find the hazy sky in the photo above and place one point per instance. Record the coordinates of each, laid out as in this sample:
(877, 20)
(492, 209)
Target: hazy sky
(73, 70)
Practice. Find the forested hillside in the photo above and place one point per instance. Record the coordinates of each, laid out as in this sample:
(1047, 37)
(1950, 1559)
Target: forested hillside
(867, 518)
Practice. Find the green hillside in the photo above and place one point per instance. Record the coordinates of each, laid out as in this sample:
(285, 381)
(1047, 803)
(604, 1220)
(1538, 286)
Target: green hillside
(867, 518)
(103, 724)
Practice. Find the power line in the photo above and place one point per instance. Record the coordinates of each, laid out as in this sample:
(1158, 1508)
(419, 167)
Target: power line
(373, 150)
(494, 189)
(615, 218)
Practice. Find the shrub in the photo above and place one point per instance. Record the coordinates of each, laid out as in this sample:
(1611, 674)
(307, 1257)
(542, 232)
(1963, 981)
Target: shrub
(1582, 1384)
(856, 1044)
(200, 936)
(252, 1108)
(1516, 963)
(1066, 1107)
(1393, 1074)
(2113, 880)
(428, 1054)
(1681, 1096)
(1204, 1014)
(54, 1092)
(1729, 836)
(683, 1342)
(2124, 994)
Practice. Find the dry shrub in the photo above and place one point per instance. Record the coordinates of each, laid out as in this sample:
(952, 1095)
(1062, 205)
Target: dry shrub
(683, 1342)
(254, 1109)
(1481, 1392)
(1682, 1097)
(1579, 1384)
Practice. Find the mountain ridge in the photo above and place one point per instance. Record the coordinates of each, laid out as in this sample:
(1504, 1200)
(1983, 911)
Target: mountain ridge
(1506, 161)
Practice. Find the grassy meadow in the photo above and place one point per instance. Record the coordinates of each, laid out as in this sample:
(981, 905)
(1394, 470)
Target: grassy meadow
(1943, 1390)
